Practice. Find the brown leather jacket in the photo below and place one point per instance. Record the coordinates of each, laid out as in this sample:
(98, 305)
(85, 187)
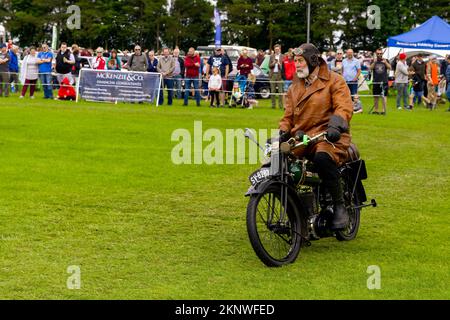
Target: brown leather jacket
(309, 109)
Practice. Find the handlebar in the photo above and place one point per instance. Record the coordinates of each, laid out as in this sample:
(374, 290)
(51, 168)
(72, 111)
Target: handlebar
(288, 146)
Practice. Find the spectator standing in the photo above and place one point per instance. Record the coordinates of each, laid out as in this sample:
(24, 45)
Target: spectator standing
(192, 65)
(45, 58)
(30, 73)
(64, 63)
(419, 69)
(276, 81)
(380, 68)
(99, 61)
(287, 70)
(178, 73)
(447, 76)
(351, 69)
(14, 68)
(336, 64)
(432, 77)
(260, 57)
(152, 61)
(244, 64)
(114, 62)
(214, 85)
(77, 65)
(166, 66)
(223, 64)
(138, 61)
(401, 81)
(4, 70)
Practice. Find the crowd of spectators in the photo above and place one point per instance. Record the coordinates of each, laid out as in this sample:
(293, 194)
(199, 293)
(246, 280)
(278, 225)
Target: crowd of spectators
(416, 80)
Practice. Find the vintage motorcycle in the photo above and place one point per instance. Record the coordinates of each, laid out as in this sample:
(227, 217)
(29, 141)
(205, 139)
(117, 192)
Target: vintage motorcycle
(289, 207)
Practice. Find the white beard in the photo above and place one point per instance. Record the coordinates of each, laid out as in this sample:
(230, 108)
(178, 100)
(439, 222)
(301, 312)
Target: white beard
(303, 73)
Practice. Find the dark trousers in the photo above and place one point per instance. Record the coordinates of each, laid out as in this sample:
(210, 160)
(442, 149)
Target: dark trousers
(169, 84)
(214, 96)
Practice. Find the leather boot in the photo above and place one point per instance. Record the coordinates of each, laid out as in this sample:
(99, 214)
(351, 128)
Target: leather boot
(340, 218)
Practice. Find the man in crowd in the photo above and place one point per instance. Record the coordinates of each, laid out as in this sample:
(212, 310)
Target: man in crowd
(45, 70)
(276, 81)
(223, 63)
(192, 67)
(14, 68)
(4, 70)
(64, 63)
(432, 77)
(137, 61)
(178, 73)
(351, 69)
(380, 68)
(166, 66)
(401, 81)
(323, 96)
(336, 64)
(419, 70)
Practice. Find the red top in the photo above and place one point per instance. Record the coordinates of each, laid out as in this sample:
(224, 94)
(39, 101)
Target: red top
(289, 68)
(100, 63)
(66, 90)
(245, 65)
(192, 71)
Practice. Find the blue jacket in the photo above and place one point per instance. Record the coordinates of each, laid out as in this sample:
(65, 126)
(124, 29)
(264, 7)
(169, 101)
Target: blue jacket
(447, 74)
(14, 62)
(152, 67)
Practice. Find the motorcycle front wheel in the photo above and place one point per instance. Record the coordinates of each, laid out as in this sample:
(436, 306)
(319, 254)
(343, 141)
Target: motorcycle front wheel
(273, 231)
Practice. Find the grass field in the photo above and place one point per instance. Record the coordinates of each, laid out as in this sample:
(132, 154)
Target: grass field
(93, 185)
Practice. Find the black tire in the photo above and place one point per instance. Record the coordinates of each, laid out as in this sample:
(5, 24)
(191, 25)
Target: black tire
(285, 232)
(354, 214)
(264, 92)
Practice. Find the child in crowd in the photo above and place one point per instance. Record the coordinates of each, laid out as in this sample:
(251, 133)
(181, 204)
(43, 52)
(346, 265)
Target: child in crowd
(250, 91)
(66, 91)
(214, 86)
(357, 105)
(236, 95)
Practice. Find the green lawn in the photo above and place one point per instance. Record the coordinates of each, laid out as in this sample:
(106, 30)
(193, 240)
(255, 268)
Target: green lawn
(93, 185)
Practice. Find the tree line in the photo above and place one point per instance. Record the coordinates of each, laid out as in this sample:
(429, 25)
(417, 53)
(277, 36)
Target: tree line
(186, 23)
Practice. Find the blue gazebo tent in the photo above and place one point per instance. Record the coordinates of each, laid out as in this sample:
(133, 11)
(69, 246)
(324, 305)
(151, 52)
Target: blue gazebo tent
(433, 36)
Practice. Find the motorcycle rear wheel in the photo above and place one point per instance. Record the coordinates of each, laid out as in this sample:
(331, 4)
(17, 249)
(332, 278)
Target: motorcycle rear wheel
(275, 239)
(350, 232)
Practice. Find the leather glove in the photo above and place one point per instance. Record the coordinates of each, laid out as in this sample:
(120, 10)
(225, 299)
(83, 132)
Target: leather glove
(336, 126)
(299, 135)
(333, 134)
(284, 136)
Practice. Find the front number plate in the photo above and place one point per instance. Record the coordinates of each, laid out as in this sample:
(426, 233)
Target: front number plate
(259, 176)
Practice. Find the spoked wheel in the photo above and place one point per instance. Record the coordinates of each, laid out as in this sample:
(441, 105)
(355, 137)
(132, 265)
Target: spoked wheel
(350, 232)
(274, 232)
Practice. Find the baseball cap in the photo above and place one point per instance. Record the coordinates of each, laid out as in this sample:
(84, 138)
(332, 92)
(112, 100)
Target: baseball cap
(402, 56)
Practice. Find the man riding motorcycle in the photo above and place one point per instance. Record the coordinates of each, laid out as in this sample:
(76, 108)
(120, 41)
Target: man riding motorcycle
(319, 100)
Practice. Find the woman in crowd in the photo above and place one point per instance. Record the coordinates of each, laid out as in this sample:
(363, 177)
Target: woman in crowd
(30, 73)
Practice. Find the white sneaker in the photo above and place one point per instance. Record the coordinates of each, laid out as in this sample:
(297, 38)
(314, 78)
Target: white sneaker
(32, 97)
(21, 97)
(399, 108)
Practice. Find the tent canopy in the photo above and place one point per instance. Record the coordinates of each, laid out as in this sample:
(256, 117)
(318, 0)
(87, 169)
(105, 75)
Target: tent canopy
(433, 34)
